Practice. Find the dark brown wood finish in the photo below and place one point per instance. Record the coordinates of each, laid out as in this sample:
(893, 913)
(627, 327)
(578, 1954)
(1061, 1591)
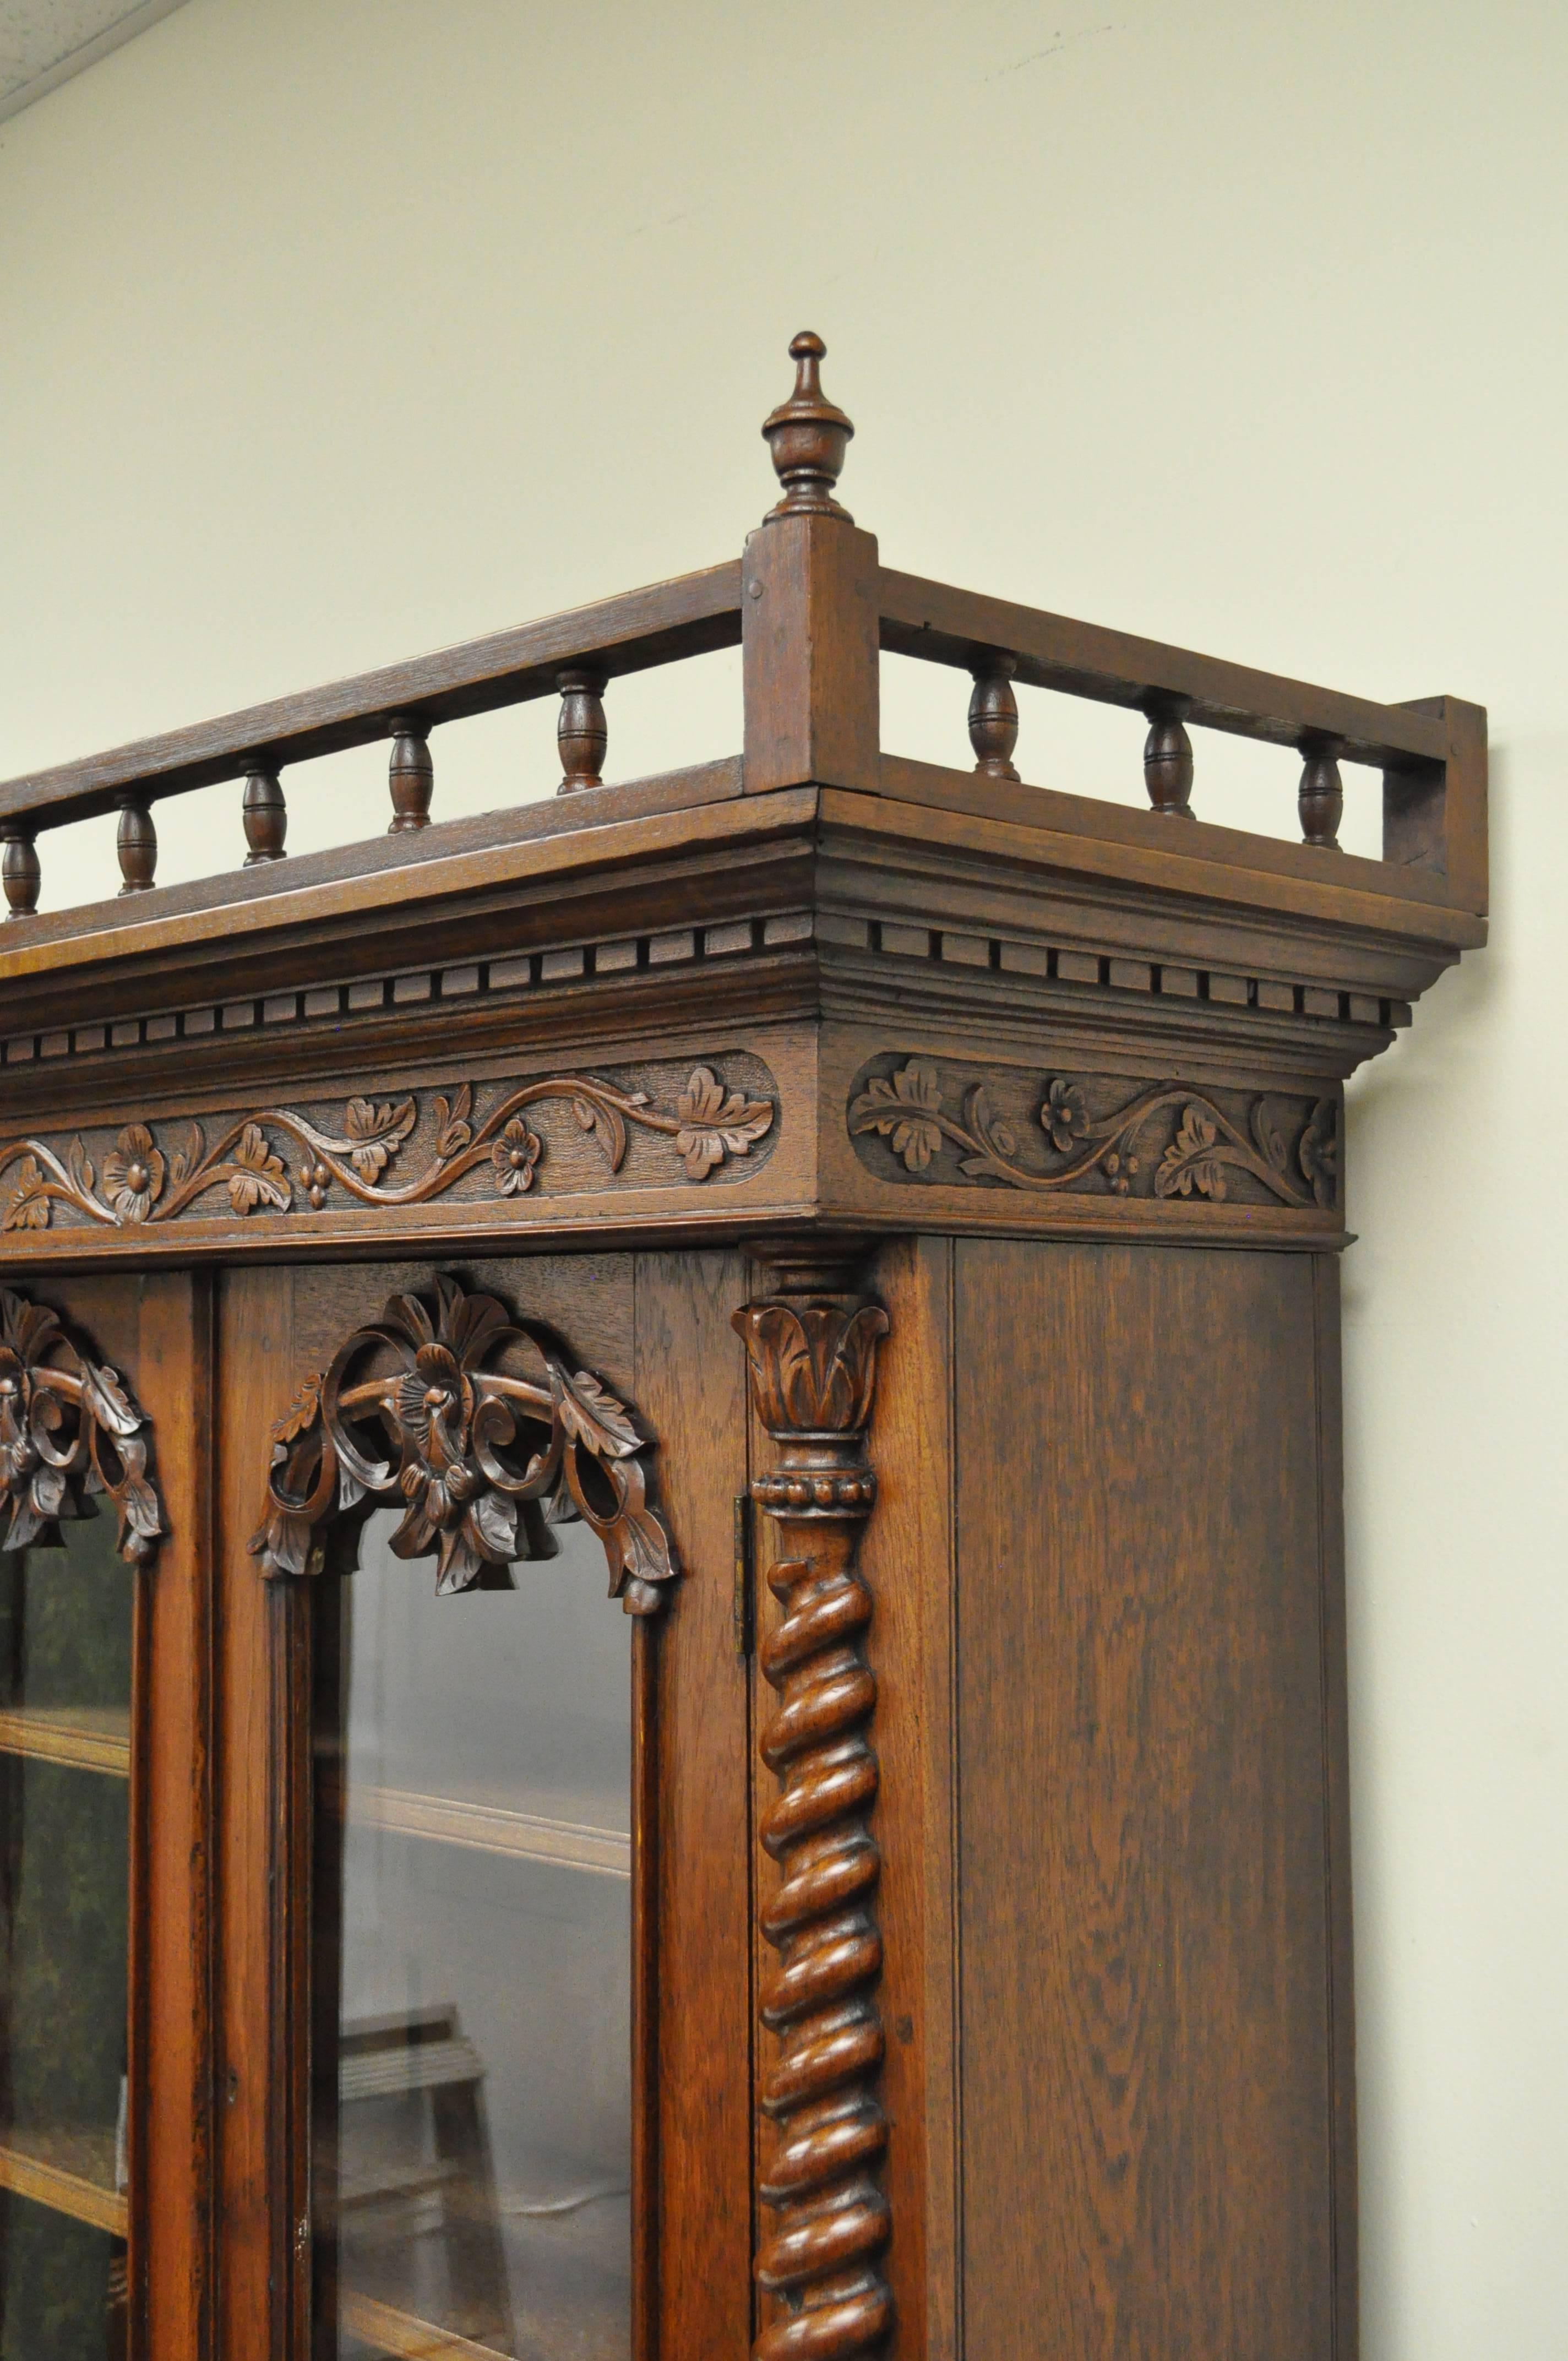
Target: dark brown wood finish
(690, 1385)
(1146, 2054)
(811, 1345)
(991, 1978)
(692, 615)
(153, 1337)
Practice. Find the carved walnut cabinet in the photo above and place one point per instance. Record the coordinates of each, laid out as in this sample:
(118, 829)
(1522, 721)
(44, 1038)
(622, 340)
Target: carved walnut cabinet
(880, 1221)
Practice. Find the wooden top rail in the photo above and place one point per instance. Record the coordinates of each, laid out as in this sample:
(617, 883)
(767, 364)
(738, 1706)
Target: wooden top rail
(687, 616)
(811, 605)
(931, 619)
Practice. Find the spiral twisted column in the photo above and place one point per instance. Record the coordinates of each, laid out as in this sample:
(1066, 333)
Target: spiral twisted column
(812, 1371)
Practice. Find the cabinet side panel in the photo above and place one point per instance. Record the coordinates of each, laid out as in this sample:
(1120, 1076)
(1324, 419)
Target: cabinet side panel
(1336, 1789)
(690, 1392)
(1146, 2126)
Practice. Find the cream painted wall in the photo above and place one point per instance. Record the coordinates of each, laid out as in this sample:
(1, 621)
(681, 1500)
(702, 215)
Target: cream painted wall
(330, 329)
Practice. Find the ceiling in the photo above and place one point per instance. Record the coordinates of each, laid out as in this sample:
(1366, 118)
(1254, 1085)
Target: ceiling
(44, 42)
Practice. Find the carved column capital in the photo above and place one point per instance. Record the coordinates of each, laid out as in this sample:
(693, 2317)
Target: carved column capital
(813, 1362)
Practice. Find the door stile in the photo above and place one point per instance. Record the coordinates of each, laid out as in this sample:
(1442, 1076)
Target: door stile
(173, 1804)
(644, 1989)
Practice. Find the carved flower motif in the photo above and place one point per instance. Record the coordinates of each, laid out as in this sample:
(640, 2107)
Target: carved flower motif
(907, 1108)
(435, 1391)
(27, 1206)
(514, 1156)
(315, 1178)
(1065, 1116)
(1318, 1153)
(716, 1122)
(132, 1174)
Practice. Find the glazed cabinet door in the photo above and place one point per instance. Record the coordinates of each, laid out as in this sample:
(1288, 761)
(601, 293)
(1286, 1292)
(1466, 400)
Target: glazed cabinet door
(104, 1989)
(484, 1827)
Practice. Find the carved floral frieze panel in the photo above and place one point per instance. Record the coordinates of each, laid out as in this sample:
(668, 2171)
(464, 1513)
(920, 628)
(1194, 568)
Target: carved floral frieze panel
(558, 1133)
(928, 1121)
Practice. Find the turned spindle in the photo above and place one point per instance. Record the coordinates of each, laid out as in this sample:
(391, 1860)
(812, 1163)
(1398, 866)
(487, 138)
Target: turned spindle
(808, 437)
(993, 717)
(410, 775)
(20, 874)
(1320, 800)
(581, 732)
(137, 844)
(1167, 759)
(265, 817)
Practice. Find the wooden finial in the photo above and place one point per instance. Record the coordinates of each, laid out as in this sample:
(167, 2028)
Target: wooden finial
(410, 775)
(20, 872)
(136, 845)
(266, 818)
(807, 435)
(993, 716)
(1168, 758)
(1320, 800)
(582, 732)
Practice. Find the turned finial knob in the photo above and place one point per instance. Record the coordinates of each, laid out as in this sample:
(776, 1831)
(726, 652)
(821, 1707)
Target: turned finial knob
(807, 435)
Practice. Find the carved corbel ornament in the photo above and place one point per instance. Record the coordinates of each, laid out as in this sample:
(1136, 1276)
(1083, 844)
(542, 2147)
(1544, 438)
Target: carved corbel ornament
(813, 1364)
(67, 1431)
(413, 1411)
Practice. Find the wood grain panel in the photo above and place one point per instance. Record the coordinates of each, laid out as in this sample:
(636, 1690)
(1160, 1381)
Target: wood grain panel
(906, 1561)
(172, 1802)
(690, 1390)
(256, 1358)
(1145, 2145)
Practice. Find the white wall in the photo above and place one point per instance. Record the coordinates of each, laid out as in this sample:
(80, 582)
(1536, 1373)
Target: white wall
(330, 329)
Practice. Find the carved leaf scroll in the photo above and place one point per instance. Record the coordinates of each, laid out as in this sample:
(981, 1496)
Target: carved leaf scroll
(67, 1431)
(140, 1183)
(1205, 1147)
(472, 1423)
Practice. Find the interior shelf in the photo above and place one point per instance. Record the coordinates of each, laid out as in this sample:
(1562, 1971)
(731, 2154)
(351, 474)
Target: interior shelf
(89, 1737)
(401, 2335)
(70, 2172)
(492, 1827)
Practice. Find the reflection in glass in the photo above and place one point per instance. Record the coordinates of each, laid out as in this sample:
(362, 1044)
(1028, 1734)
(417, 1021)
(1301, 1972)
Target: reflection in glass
(472, 2101)
(65, 1693)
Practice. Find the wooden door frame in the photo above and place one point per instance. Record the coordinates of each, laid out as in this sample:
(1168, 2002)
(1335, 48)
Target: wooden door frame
(691, 2152)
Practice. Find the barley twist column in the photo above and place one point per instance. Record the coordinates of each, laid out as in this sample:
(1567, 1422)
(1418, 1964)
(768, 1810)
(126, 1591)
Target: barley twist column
(813, 1371)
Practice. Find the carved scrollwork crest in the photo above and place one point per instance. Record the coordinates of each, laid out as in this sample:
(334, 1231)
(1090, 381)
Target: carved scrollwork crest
(492, 1440)
(67, 1431)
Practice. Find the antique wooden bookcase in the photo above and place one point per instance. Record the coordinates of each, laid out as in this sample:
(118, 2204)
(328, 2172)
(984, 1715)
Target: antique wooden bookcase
(890, 1214)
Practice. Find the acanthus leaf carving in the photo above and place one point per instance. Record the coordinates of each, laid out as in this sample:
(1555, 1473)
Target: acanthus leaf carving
(413, 1411)
(139, 1184)
(69, 1431)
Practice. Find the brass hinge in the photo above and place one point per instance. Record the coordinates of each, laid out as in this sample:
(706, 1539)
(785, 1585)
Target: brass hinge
(741, 1611)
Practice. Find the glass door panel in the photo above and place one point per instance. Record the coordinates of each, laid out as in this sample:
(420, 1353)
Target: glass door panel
(472, 2135)
(65, 1725)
